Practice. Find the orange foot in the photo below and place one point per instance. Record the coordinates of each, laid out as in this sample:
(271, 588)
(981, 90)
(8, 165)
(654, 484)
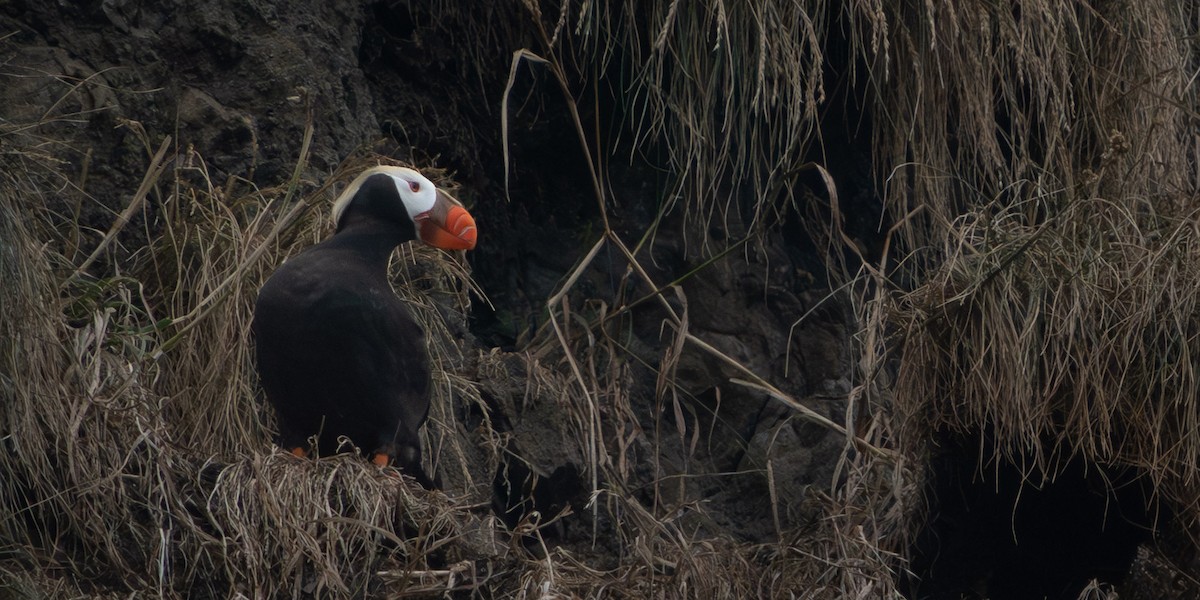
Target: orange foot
(301, 452)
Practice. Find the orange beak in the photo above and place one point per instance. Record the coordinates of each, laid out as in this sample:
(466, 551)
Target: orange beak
(447, 225)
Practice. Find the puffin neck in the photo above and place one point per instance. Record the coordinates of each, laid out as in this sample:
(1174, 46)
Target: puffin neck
(372, 240)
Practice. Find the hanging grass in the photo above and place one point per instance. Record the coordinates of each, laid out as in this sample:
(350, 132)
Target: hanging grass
(1036, 281)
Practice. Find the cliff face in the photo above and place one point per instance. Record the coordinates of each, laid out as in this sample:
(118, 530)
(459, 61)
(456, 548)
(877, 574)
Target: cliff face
(238, 85)
(231, 79)
(713, 239)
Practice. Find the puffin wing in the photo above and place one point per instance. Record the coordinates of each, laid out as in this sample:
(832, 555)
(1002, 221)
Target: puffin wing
(340, 356)
(378, 356)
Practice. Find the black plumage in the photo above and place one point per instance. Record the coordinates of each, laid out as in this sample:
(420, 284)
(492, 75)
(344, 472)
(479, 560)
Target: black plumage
(338, 353)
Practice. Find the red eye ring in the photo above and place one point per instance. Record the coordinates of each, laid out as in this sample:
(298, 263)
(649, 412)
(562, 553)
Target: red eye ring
(414, 186)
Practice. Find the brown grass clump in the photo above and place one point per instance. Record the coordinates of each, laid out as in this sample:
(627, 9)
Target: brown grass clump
(1058, 314)
(731, 170)
(1036, 283)
(728, 94)
(1073, 336)
(136, 455)
(1038, 164)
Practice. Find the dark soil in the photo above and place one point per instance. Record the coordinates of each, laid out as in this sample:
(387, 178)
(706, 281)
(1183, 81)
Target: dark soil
(1008, 530)
(238, 82)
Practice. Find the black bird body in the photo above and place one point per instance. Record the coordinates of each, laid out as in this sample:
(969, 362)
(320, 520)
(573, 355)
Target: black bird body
(342, 350)
(339, 355)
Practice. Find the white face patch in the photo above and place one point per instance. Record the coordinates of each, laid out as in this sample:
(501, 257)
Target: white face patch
(420, 201)
(415, 203)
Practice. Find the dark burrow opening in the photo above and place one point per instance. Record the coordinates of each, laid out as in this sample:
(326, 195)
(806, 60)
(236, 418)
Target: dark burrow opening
(1004, 530)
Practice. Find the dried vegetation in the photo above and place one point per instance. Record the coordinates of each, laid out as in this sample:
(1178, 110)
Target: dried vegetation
(1056, 244)
(1037, 281)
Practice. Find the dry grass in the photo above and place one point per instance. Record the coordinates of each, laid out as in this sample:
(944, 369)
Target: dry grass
(1037, 281)
(1004, 106)
(1070, 336)
(1040, 182)
(728, 94)
(1057, 256)
(136, 454)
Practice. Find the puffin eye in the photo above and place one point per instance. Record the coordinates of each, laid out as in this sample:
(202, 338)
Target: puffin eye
(414, 186)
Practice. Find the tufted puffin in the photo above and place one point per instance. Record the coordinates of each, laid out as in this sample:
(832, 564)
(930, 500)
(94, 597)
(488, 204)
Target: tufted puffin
(338, 353)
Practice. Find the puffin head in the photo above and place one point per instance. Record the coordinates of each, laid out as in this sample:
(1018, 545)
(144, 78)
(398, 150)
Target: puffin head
(406, 198)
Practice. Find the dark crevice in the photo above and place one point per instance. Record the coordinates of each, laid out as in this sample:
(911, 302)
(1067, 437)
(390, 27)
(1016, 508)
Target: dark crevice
(1002, 531)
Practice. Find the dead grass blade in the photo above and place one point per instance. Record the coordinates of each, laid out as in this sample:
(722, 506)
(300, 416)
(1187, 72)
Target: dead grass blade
(153, 173)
